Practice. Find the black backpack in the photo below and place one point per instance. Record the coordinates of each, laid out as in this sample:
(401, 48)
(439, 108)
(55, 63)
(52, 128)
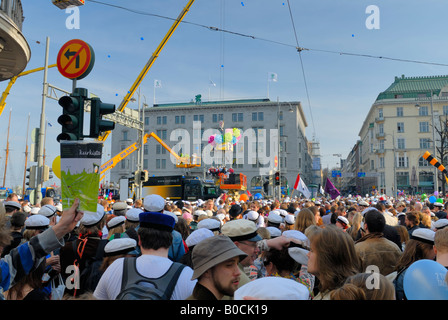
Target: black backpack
(90, 275)
(159, 288)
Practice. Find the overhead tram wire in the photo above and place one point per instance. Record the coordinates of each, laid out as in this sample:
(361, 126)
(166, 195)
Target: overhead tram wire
(269, 40)
(303, 69)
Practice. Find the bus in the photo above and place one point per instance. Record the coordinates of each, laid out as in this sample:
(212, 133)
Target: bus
(181, 188)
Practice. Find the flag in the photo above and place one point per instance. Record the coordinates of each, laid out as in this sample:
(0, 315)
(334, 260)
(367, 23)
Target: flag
(157, 84)
(321, 190)
(331, 189)
(212, 83)
(49, 124)
(272, 77)
(301, 186)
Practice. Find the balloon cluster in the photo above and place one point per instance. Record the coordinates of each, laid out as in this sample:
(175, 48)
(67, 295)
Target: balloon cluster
(231, 136)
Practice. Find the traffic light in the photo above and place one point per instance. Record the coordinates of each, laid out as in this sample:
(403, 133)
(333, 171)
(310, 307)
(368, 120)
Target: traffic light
(137, 177)
(277, 178)
(144, 176)
(72, 117)
(47, 173)
(97, 110)
(31, 183)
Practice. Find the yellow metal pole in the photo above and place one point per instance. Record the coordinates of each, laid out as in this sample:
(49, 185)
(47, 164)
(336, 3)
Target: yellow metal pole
(13, 80)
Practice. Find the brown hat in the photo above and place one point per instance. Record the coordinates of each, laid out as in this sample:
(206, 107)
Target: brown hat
(211, 252)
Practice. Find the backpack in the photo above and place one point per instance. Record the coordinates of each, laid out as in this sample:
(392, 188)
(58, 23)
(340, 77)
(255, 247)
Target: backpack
(160, 288)
(91, 274)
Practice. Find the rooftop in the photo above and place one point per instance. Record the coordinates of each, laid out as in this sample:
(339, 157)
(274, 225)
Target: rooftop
(212, 103)
(414, 87)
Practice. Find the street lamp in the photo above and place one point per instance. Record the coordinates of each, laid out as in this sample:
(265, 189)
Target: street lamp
(291, 110)
(436, 179)
(141, 132)
(395, 162)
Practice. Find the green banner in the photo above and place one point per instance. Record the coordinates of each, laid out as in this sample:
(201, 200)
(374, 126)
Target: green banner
(80, 177)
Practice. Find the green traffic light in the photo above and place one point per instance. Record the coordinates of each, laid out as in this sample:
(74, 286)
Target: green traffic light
(72, 117)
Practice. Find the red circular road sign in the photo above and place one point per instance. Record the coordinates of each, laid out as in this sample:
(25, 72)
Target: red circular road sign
(75, 59)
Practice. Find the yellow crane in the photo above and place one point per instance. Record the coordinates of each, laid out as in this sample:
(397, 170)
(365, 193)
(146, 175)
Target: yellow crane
(13, 80)
(181, 161)
(149, 64)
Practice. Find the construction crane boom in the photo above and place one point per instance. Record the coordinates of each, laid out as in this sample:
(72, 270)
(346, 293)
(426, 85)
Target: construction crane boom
(13, 80)
(181, 161)
(149, 64)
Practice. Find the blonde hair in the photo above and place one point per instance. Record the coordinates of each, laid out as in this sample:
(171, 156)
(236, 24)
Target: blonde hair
(355, 288)
(356, 225)
(304, 219)
(441, 240)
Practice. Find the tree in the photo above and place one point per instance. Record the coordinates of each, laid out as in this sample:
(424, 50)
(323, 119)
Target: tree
(441, 137)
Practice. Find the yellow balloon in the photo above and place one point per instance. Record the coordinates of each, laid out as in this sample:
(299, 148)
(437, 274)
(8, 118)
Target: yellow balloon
(56, 166)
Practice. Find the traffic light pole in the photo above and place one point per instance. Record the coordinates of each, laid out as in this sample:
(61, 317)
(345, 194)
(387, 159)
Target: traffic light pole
(40, 150)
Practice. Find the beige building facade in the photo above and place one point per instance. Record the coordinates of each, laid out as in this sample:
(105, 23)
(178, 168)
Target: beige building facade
(401, 126)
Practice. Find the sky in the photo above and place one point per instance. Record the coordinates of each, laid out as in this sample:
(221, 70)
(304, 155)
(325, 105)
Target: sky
(336, 89)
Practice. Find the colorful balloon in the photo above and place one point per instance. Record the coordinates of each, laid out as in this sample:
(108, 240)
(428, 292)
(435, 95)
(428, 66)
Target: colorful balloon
(432, 199)
(425, 280)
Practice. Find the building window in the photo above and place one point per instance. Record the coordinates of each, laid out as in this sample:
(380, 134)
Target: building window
(398, 96)
(381, 145)
(402, 178)
(401, 144)
(179, 119)
(424, 126)
(161, 120)
(423, 111)
(381, 128)
(402, 162)
(257, 116)
(425, 178)
(422, 162)
(145, 163)
(145, 150)
(125, 135)
(157, 163)
(380, 113)
(400, 127)
(163, 163)
(372, 165)
(160, 149)
(198, 117)
(399, 111)
(425, 143)
(237, 117)
(445, 108)
(216, 117)
(161, 134)
(146, 121)
(382, 162)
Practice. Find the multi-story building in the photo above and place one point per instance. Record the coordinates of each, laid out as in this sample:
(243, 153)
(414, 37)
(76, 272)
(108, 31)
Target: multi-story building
(187, 127)
(352, 178)
(402, 124)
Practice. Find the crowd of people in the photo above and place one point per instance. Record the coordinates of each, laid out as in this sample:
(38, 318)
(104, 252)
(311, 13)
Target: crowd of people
(350, 248)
